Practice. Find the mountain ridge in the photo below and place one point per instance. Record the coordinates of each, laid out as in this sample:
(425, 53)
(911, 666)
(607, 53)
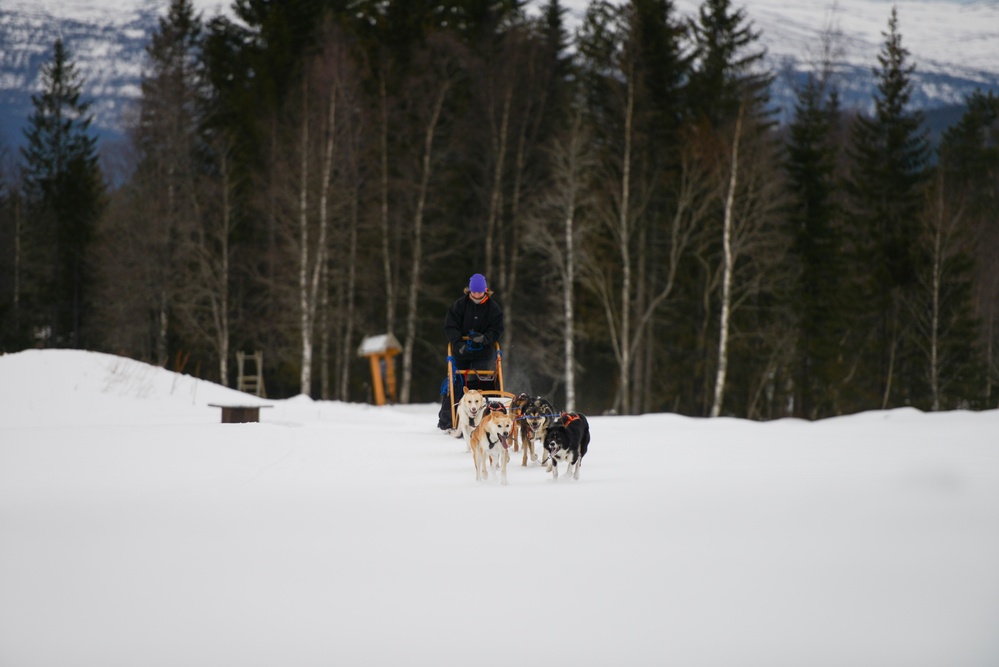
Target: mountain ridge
(952, 44)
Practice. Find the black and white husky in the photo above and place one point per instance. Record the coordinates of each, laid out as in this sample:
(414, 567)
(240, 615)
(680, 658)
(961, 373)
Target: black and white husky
(536, 415)
(567, 440)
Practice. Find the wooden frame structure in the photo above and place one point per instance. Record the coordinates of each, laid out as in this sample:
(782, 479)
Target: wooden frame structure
(251, 383)
(380, 351)
(495, 376)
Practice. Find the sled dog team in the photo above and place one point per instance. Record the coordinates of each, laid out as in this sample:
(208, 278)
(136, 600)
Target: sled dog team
(490, 429)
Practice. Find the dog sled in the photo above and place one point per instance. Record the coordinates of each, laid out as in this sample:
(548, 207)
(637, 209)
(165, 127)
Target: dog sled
(488, 381)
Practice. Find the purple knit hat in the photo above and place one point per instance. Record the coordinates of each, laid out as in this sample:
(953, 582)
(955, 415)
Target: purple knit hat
(477, 283)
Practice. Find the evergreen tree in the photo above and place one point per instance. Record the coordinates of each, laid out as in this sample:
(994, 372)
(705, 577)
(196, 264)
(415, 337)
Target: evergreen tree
(10, 235)
(173, 86)
(817, 249)
(65, 194)
(969, 153)
(727, 64)
(557, 61)
(969, 163)
(659, 44)
(889, 155)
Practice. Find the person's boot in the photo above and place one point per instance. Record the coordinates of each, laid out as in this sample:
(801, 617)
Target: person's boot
(444, 417)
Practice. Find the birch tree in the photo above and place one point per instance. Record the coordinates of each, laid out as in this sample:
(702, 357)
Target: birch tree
(727, 270)
(941, 307)
(167, 141)
(632, 71)
(611, 87)
(209, 305)
(430, 95)
(572, 167)
(313, 256)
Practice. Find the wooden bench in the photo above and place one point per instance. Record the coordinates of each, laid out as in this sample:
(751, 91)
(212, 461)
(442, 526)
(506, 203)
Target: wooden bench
(239, 414)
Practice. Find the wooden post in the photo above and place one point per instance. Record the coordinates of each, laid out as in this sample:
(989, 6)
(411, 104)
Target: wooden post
(390, 375)
(376, 378)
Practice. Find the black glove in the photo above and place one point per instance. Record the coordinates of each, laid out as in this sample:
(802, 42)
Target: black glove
(478, 338)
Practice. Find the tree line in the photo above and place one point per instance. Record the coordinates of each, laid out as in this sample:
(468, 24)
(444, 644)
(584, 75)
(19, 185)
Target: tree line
(306, 173)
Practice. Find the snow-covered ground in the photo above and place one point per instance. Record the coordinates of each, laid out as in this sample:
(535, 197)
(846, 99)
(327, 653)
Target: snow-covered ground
(135, 529)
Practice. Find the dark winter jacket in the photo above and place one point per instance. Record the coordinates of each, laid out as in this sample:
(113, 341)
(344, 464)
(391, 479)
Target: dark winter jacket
(465, 317)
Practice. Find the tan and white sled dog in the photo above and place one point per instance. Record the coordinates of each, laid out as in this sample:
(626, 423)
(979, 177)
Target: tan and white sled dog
(492, 439)
(471, 409)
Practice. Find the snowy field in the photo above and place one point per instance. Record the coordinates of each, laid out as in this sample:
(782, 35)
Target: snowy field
(136, 530)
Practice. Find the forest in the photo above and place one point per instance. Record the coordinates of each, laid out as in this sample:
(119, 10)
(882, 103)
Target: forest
(303, 174)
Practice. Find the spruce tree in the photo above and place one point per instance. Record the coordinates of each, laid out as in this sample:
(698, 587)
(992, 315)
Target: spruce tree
(555, 40)
(659, 41)
(889, 155)
(10, 222)
(969, 162)
(817, 249)
(65, 195)
(969, 152)
(728, 64)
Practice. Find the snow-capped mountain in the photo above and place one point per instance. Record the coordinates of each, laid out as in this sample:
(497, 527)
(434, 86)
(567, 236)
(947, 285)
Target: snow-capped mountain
(954, 45)
(106, 41)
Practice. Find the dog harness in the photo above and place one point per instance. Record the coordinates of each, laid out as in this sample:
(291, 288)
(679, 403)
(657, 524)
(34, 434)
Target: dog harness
(568, 417)
(492, 444)
(554, 416)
